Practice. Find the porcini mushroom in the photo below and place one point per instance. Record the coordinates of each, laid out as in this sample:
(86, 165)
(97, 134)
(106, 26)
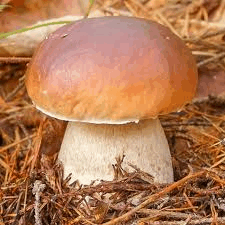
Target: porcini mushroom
(111, 77)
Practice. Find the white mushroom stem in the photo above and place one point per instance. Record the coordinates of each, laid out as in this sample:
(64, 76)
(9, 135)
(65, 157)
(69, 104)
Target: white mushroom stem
(89, 150)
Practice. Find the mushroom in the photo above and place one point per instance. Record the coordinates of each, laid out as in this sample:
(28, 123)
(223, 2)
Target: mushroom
(111, 77)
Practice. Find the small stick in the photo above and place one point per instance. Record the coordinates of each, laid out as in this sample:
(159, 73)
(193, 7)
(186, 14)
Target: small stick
(12, 60)
(12, 94)
(218, 56)
(37, 189)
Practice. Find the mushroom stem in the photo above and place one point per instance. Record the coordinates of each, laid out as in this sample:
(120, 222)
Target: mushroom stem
(89, 150)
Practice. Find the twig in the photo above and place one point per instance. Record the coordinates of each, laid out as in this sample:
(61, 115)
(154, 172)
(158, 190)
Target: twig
(37, 146)
(169, 214)
(37, 189)
(6, 147)
(152, 198)
(11, 95)
(113, 186)
(25, 202)
(213, 33)
(188, 123)
(206, 61)
(200, 22)
(17, 209)
(8, 60)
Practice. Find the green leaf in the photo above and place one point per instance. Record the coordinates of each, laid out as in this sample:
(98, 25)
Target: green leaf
(5, 35)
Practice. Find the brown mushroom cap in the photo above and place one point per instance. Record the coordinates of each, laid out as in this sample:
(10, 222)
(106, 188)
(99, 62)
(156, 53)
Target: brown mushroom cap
(111, 70)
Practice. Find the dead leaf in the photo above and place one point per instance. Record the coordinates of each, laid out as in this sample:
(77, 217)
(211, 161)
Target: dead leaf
(154, 4)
